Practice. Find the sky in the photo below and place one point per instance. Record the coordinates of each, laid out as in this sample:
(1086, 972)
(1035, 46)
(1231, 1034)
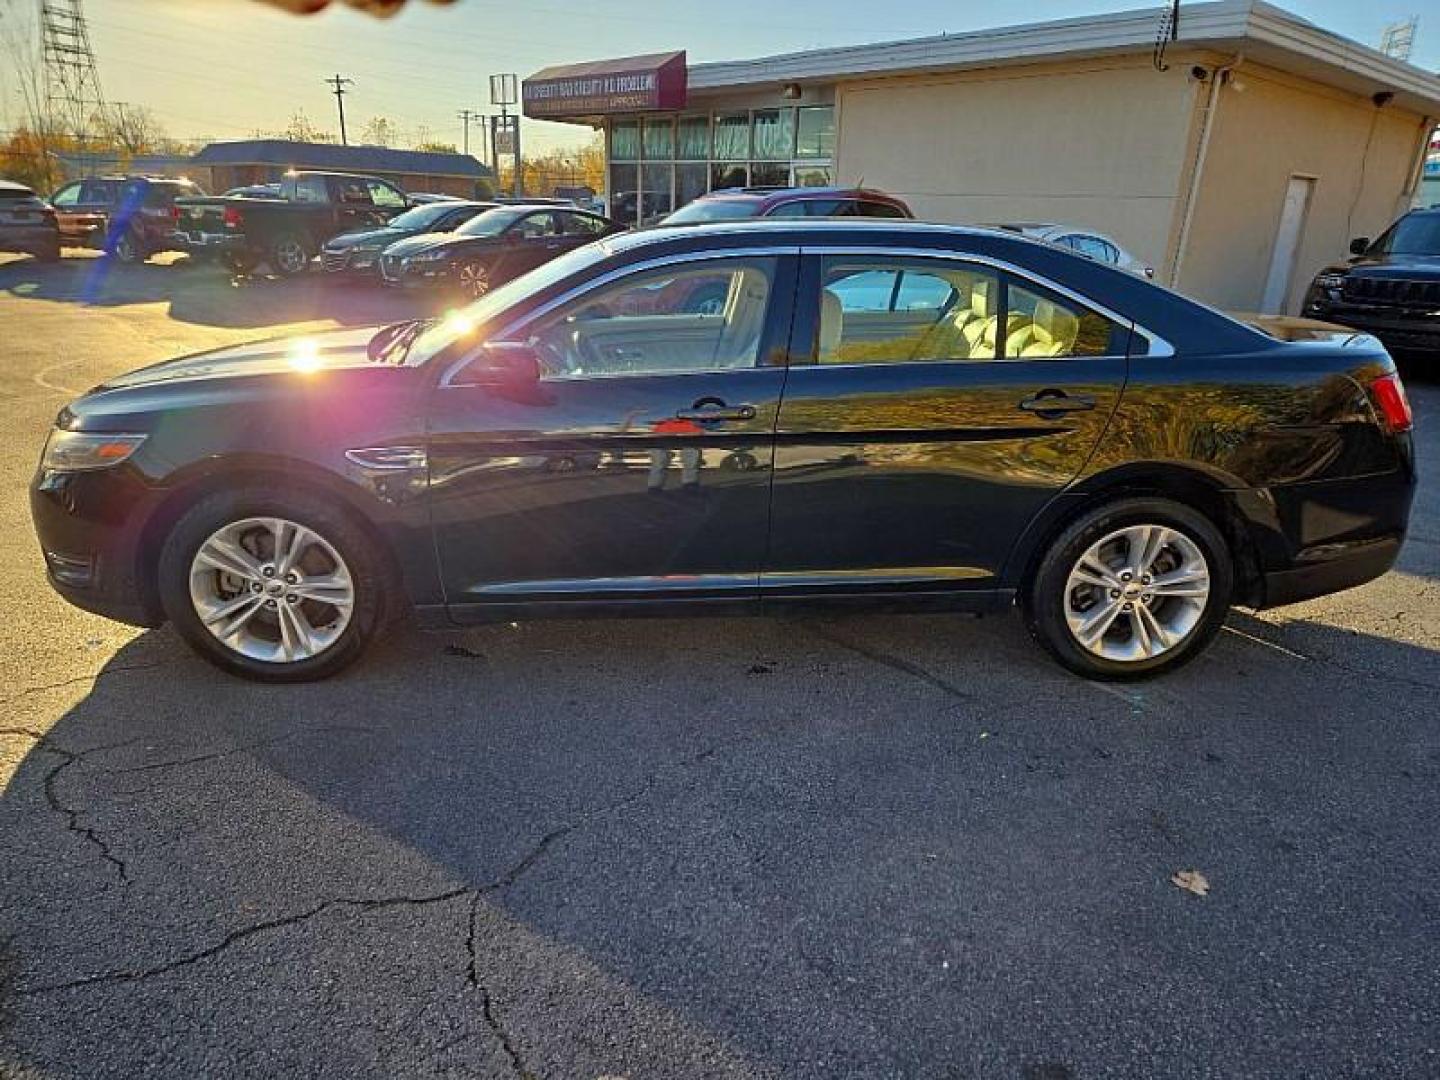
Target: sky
(225, 68)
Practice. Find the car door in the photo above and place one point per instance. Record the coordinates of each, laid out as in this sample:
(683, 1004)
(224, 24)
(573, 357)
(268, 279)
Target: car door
(73, 223)
(386, 200)
(530, 240)
(638, 468)
(921, 438)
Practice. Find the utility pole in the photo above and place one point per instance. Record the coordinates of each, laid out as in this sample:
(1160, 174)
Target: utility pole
(466, 116)
(340, 83)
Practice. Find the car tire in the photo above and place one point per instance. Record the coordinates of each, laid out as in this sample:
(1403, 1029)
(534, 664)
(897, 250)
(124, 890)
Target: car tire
(339, 581)
(129, 248)
(289, 255)
(1177, 600)
(239, 262)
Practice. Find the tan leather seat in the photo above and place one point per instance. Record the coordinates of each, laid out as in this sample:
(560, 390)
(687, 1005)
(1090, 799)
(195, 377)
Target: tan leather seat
(1052, 333)
(832, 326)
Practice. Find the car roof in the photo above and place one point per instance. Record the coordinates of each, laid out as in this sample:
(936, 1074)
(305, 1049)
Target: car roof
(11, 185)
(784, 193)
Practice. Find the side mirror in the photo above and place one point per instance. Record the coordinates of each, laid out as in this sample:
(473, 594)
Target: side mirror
(1360, 245)
(509, 365)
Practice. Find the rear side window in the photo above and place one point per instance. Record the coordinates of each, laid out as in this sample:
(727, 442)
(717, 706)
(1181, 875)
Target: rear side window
(876, 311)
(311, 189)
(867, 208)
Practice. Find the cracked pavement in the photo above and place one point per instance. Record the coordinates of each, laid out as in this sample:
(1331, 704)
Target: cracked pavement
(863, 846)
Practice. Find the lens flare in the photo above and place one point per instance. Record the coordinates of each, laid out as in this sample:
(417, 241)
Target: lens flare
(458, 323)
(305, 356)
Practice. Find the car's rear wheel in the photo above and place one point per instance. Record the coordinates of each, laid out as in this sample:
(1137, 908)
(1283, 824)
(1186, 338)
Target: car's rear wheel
(474, 279)
(270, 586)
(1134, 588)
(289, 255)
(128, 247)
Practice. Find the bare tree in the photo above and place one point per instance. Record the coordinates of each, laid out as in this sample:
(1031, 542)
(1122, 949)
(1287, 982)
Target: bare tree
(132, 129)
(44, 131)
(379, 131)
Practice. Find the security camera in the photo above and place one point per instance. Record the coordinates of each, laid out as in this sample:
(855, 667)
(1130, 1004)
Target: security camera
(1199, 74)
(1383, 98)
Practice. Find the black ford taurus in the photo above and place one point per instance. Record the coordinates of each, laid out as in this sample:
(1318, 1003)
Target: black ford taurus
(882, 413)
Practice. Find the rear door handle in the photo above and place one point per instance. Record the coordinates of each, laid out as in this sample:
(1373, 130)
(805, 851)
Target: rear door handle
(1055, 402)
(738, 412)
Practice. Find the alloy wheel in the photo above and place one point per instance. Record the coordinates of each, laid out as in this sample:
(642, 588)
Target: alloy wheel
(474, 280)
(1137, 593)
(272, 589)
(290, 256)
(125, 249)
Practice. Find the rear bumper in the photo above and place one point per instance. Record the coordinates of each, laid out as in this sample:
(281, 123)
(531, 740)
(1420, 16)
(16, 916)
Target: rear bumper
(37, 240)
(206, 243)
(1319, 538)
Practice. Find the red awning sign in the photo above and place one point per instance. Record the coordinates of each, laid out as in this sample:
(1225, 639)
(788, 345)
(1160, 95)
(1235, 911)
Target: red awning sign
(631, 84)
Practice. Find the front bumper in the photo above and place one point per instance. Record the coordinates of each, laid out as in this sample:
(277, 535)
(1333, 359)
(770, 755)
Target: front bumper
(413, 275)
(87, 525)
(1417, 331)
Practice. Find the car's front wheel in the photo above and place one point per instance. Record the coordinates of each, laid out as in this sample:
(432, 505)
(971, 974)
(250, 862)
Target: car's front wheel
(271, 586)
(473, 278)
(1133, 588)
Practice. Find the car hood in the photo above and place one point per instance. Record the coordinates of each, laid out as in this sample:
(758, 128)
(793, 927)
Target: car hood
(429, 241)
(297, 356)
(1411, 267)
(366, 237)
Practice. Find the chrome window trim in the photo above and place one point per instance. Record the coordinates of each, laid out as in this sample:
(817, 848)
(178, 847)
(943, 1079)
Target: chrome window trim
(507, 332)
(1155, 344)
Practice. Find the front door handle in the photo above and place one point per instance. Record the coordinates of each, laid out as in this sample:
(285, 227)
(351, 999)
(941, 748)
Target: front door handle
(1053, 403)
(717, 412)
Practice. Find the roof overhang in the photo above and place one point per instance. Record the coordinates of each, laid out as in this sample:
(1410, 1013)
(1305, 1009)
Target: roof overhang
(656, 81)
(1260, 31)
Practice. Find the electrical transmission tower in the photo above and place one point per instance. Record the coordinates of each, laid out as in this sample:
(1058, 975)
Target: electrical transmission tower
(72, 82)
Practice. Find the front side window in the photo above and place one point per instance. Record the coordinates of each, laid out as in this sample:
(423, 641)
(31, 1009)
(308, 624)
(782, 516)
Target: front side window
(535, 225)
(68, 195)
(866, 208)
(385, 196)
(581, 225)
(706, 316)
(882, 312)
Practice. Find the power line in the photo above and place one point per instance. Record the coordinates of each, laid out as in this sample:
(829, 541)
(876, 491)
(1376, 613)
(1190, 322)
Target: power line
(340, 83)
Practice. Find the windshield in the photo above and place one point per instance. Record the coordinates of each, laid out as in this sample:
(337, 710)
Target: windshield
(490, 223)
(422, 217)
(714, 210)
(1414, 234)
(467, 320)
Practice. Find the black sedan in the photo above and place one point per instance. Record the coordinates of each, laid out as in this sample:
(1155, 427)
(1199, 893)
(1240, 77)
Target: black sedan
(890, 414)
(492, 248)
(358, 253)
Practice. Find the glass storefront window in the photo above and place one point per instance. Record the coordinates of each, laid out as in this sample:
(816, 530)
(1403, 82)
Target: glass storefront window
(813, 176)
(625, 140)
(770, 174)
(732, 137)
(624, 202)
(691, 181)
(694, 141)
(655, 183)
(816, 133)
(660, 139)
(728, 176)
(775, 134)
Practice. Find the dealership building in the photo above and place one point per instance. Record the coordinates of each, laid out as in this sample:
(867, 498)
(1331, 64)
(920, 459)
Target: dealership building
(1236, 151)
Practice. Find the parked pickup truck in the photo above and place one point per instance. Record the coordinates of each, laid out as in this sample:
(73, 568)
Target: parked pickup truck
(289, 230)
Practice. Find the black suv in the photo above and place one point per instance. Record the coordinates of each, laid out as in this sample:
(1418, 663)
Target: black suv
(1390, 287)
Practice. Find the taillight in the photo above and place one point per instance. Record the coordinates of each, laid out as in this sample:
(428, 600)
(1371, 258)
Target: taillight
(175, 214)
(232, 218)
(1389, 394)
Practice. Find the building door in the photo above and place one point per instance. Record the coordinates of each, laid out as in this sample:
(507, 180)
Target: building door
(1287, 243)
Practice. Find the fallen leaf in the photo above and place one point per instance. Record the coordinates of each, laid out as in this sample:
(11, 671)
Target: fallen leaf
(1191, 881)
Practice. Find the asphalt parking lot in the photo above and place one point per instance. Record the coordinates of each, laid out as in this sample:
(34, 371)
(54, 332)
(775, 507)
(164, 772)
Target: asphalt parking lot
(839, 847)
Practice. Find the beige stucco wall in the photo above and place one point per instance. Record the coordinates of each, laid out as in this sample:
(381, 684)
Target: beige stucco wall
(1269, 126)
(1101, 145)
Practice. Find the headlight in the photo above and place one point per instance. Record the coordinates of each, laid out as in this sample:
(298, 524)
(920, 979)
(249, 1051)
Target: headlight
(81, 451)
(430, 256)
(1330, 281)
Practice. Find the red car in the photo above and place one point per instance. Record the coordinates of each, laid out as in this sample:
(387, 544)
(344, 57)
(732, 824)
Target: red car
(736, 204)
